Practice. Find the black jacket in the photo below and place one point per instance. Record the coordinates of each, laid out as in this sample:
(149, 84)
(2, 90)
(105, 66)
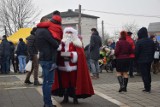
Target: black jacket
(5, 48)
(12, 48)
(31, 45)
(21, 49)
(46, 45)
(95, 44)
(145, 48)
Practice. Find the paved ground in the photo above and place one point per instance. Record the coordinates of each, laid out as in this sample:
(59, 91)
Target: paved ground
(14, 93)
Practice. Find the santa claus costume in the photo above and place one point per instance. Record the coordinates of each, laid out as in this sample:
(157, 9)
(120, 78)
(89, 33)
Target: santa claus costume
(72, 77)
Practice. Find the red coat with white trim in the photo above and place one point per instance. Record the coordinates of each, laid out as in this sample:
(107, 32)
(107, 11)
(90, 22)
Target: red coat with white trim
(70, 65)
(73, 73)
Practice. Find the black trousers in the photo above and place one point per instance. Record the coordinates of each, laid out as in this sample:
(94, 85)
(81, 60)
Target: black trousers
(145, 69)
(131, 67)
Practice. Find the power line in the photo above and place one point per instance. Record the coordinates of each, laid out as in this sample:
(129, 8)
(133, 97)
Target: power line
(123, 14)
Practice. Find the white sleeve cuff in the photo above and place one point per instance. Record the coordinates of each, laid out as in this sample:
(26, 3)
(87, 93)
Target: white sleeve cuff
(75, 57)
(59, 48)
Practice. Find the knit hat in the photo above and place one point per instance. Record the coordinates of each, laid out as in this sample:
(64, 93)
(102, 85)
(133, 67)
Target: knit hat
(56, 18)
(129, 33)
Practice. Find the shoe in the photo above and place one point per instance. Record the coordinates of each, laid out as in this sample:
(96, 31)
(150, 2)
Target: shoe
(28, 82)
(146, 91)
(36, 83)
(75, 101)
(94, 77)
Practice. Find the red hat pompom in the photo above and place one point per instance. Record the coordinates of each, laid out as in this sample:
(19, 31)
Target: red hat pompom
(57, 18)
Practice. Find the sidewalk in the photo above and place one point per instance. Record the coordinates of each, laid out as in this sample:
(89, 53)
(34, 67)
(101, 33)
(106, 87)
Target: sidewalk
(14, 93)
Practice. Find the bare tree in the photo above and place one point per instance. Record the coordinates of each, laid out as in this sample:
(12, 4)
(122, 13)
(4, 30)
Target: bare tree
(16, 14)
(132, 27)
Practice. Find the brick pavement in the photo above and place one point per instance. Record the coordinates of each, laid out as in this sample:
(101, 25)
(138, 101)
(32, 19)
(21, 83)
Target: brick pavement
(108, 85)
(14, 93)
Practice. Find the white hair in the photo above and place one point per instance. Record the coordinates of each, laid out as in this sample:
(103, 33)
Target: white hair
(75, 39)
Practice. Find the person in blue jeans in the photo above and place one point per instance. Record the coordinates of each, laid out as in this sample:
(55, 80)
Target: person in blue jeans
(21, 53)
(95, 44)
(47, 47)
(48, 76)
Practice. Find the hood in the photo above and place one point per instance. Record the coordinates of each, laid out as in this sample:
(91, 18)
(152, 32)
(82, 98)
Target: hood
(142, 33)
(95, 33)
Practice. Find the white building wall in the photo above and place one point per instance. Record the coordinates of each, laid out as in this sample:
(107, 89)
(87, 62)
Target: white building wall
(69, 20)
(86, 25)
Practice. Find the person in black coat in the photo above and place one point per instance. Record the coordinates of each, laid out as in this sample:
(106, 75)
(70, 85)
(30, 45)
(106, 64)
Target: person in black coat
(47, 46)
(95, 44)
(5, 51)
(12, 58)
(87, 54)
(144, 52)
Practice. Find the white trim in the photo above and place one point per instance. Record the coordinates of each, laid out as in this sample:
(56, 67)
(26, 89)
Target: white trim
(67, 67)
(77, 42)
(60, 47)
(66, 46)
(75, 57)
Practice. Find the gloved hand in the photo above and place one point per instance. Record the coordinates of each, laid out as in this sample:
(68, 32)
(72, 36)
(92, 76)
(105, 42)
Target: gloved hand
(53, 67)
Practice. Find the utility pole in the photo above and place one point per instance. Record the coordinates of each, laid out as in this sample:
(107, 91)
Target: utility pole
(103, 31)
(79, 21)
(5, 29)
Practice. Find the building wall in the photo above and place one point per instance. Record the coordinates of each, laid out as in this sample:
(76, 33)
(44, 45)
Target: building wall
(154, 33)
(86, 25)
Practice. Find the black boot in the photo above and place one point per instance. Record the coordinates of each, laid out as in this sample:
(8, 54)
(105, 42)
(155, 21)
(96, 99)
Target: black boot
(120, 79)
(28, 82)
(75, 100)
(65, 100)
(125, 80)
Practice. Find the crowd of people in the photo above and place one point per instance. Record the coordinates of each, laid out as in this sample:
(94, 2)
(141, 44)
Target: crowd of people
(67, 66)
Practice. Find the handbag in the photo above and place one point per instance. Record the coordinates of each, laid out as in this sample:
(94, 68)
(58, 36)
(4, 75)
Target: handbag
(156, 55)
(28, 66)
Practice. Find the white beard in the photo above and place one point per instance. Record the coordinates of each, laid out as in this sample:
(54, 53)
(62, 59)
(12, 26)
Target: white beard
(68, 38)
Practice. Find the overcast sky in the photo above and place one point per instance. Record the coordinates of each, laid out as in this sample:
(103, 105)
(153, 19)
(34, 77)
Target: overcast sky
(111, 22)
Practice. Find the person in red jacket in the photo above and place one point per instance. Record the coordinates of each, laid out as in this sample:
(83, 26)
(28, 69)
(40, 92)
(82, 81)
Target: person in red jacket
(54, 26)
(132, 56)
(123, 51)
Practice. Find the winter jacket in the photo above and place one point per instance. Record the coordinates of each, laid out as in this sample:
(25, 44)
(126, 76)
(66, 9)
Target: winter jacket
(95, 44)
(12, 48)
(145, 48)
(112, 45)
(22, 49)
(31, 45)
(123, 49)
(5, 48)
(87, 52)
(46, 45)
(131, 42)
(55, 29)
